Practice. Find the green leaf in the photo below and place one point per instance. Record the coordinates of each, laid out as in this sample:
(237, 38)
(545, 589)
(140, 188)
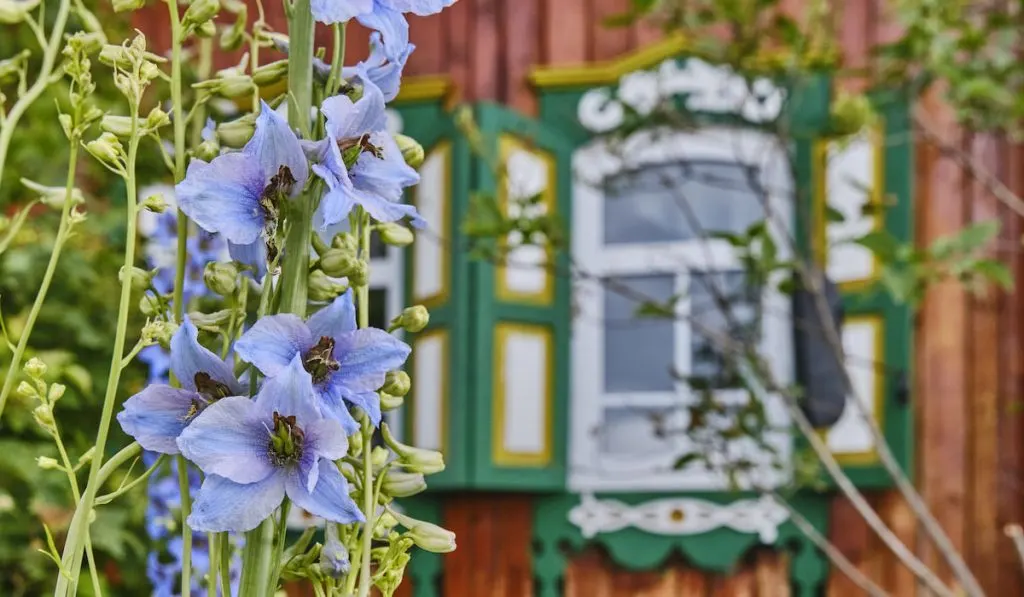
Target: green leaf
(995, 271)
(900, 285)
(833, 215)
(685, 460)
(881, 243)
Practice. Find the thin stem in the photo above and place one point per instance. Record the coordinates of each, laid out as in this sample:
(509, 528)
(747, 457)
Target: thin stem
(337, 57)
(186, 531)
(369, 503)
(256, 560)
(179, 121)
(76, 535)
(280, 537)
(225, 563)
(51, 267)
(211, 574)
(106, 499)
(73, 482)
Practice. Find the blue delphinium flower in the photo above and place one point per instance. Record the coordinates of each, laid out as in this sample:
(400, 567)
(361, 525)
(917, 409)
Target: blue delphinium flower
(346, 364)
(379, 70)
(334, 559)
(378, 175)
(256, 451)
(157, 415)
(159, 362)
(386, 16)
(239, 194)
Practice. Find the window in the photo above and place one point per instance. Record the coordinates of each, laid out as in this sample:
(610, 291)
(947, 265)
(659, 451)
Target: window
(642, 212)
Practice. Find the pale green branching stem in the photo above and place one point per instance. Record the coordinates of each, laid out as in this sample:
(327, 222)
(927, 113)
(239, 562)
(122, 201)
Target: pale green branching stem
(369, 502)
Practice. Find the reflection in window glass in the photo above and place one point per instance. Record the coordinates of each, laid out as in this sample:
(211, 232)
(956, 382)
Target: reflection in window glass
(709, 367)
(650, 205)
(638, 351)
(636, 432)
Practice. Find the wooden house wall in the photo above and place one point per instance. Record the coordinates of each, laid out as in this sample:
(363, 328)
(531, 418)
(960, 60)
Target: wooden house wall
(968, 374)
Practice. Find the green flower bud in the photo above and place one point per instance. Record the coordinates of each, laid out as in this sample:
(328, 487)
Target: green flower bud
(221, 278)
(54, 196)
(93, 41)
(413, 319)
(355, 445)
(271, 73)
(43, 414)
(345, 241)
(211, 322)
(338, 263)
(207, 150)
(389, 402)
(117, 125)
(412, 151)
(10, 67)
(397, 383)
(107, 149)
(426, 535)
(207, 30)
(15, 11)
(157, 118)
(236, 133)
(399, 485)
(228, 85)
(158, 332)
(126, 5)
(34, 368)
(27, 390)
(140, 278)
(201, 11)
(92, 114)
(379, 457)
(155, 203)
(115, 55)
(87, 457)
(47, 464)
(322, 288)
(56, 392)
(417, 460)
(232, 37)
(150, 306)
(395, 234)
(65, 124)
(360, 274)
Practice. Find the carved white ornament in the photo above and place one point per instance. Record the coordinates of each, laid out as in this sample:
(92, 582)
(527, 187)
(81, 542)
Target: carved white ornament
(680, 516)
(708, 88)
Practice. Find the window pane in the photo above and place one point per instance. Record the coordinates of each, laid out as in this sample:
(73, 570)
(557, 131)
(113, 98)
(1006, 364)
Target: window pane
(658, 203)
(707, 292)
(636, 432)
(378, 249)
(638, 351)
(379, 308)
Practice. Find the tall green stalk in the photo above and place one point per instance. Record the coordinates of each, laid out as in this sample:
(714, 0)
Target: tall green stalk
(178, 110)
(73, 547)
(369, 499)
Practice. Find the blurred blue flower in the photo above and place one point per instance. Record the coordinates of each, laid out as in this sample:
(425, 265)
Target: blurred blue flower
(385, 16)
(334, 559)
(156, 416)
(379, 70)
(256, 451)
(344, 363)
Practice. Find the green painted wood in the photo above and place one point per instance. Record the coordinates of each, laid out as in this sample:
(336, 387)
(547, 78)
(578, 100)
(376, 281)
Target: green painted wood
(490, 310)
(430, 125)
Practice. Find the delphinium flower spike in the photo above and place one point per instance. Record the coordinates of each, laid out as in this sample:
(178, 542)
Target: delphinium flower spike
(386, 16)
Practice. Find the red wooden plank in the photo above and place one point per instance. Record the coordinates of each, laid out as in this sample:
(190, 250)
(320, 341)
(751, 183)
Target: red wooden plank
(522, 51)
(485, 51)
(458, 565)
(854, 28)
(430, 55)
(607, 43)
(565, 26)
(897, 579)
(458, 39)
(849, 534)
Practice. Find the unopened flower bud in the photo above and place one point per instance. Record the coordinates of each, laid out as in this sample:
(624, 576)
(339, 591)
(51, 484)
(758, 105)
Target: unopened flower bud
(413, 319)
(47, 464)
(27, 390)
(221, 278)
(56, 392)
(228, 86)
(15, 11)
(149, 305)
(345, 241)
(157, 118)
(158, 332)
(232, 37)
(271, 73)
(140, 278)
(426, 535)
(11, 67)
(207, 30)
(201, 11)
(121, 57)
(65, 124)
(355, 445)
(322, 288)
(43, 414)
(396, 383)
(126, 5)
(207, 150)
(417, 460)
(395, 234)
(399, 484)
(236, 133)
(54, 196)
(92, 42)
(389, 402)
(87, 457)
(34, 368)
(338, 263)
(412, 151)
(360, 274)
(379, 456)
(155, 203)
(107, 149)
(334, 560)
(211, 322)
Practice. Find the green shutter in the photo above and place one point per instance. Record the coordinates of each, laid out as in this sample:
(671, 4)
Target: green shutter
(519, 363)
(878, 326)
(437, 276)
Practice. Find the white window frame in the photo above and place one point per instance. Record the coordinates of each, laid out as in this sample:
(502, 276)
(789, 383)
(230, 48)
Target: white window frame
(594, 164)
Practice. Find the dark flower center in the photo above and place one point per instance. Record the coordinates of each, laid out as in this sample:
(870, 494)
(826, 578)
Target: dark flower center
(353, 147)
(319, 360)
(211, 388)
(285, 440)
(193, 409)
(279, 187)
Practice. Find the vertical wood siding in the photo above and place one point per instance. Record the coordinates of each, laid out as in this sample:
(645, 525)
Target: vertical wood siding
(968, 378)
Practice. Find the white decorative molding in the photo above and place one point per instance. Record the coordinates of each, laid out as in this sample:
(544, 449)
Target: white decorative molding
(680, 516)
(708, 88)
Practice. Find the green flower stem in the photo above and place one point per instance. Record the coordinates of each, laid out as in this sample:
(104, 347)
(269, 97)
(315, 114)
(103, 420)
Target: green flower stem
(43, 80)
(256, 560)
(178, 112)
(225, 564)
(186, 531)
(63, 230)
(369, 502)
(72, 558)
(280, 538)
(76, 495)
(113, 495)
(211, 575)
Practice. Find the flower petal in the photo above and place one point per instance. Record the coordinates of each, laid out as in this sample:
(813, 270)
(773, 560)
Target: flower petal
(252, 254)
(223, 196)
(329, 499)
(335, 319)
(290, 393)
(330, 12)
(392, 25)
(347, 119)
(377, 70)
(274, 144)
(189, 357)
(327, 438)
(273, 341)
(365, 356)
(420, 8)
(157, 415)
(230, 438)
(369, 402)
(223, 505)
(341, 196)
(333, 406)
